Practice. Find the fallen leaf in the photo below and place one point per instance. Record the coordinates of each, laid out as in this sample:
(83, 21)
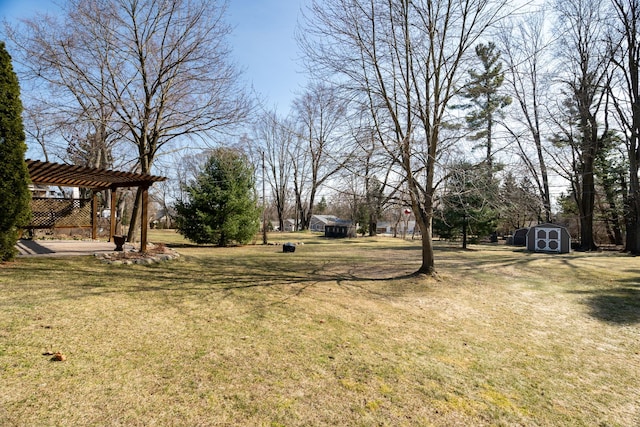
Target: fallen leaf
(58, 357)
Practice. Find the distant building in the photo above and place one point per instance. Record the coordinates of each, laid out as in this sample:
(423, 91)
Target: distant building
(398, 228)
(340, 231)
(332, 225)
(43, 191)
(289, 224)
(319, 222)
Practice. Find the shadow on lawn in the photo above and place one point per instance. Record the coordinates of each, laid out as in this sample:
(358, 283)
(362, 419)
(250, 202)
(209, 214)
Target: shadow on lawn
(617, 305)
(623, 306)
(222, 271)
(228, 272)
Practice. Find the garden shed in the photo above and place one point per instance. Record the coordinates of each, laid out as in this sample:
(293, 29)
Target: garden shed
(339, 231)
(519, 237)
(549, 238)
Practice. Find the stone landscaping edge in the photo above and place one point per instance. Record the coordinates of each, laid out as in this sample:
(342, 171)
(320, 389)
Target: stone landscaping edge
(120, 258)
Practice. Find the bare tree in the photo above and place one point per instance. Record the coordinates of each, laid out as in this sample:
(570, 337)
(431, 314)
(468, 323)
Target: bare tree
(625, 49)
(524, 46)
(321, 125)
(152, 71)
(376, 172)
(274, 137)
(582, 118)
(404, 59)
(300, 169)
(65, 90)
(41, 130)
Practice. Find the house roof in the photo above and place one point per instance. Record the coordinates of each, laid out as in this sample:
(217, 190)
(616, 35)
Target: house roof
(80, 176)
(324, 218)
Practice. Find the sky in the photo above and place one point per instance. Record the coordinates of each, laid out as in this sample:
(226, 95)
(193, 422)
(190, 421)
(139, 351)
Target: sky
(262, 41)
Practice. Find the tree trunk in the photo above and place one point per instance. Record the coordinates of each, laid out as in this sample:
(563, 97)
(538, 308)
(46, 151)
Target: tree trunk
(546, 198)
(614, 228)
(632, 213)
(464, 233)
(586, 207)
(373, 225)
(424, 218)
(428, 260)
(135, 213)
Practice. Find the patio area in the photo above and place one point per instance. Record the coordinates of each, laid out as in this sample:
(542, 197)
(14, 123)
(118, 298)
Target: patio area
(54, 248)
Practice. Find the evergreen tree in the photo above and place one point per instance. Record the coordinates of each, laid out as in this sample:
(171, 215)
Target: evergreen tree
(375, 203)
(321, 207)
(611, 184)
(485, 102)
(222, 206)
(467, 206)
(14, 176)
(520, 205)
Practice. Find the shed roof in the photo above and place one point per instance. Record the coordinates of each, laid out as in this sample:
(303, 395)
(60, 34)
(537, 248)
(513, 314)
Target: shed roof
(86, 177)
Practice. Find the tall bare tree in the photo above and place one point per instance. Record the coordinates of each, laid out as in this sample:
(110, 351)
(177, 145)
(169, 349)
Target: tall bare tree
(524, 46)
(274, 137)
(66, 89)
(625, 49)
(321, 118)
(583, 117)
(404, 59)
(152, 71)
(377, 174)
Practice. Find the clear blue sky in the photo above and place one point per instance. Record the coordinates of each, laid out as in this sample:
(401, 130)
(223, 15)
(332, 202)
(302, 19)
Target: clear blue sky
(262, 40)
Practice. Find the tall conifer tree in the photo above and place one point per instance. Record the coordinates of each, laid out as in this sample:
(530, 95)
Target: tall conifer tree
(14, 176)
(485, 101)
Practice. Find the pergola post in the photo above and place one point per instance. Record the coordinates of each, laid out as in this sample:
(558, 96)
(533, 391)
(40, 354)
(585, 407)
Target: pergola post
(112, 215)
(94, 215)
(144, 218)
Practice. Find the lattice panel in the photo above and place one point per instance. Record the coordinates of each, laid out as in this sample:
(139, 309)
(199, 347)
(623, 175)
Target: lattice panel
(52, 213)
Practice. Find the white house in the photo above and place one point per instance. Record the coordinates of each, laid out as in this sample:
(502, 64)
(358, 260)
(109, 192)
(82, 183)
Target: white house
(289, 224)
(44, 191)
(385, 227)
(319, 222)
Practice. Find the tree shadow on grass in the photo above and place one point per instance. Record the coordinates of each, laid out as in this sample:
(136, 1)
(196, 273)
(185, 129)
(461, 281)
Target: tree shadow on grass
(622, 307)
(617, 305)
(373, 271)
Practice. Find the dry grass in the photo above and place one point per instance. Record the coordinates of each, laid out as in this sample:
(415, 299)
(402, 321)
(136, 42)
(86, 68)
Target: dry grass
(336, 333)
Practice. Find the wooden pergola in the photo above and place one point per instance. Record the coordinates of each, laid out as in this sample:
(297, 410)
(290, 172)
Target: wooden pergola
(46, 173)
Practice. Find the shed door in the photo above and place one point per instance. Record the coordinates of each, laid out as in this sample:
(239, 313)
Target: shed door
(548, 239)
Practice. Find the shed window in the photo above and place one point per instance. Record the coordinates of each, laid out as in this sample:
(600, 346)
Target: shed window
(548, 239)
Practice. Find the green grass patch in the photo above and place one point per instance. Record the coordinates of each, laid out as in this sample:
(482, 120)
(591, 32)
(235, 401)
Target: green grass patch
(337, 333)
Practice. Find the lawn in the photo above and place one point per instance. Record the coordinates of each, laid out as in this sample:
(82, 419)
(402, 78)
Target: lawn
(337, 333)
